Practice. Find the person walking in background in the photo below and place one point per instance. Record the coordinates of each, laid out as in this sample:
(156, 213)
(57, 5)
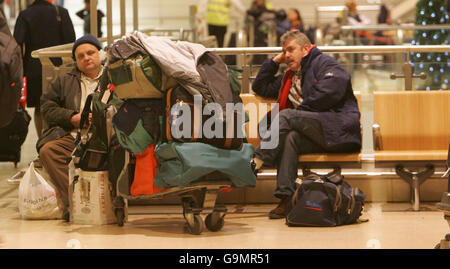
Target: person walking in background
(295, 22)
(295, 19)
(39, 26)
(289, 22)
(217, 16)
(262, 19)
(384, 37)
(283, 23)
(85, 15)
(354, 18)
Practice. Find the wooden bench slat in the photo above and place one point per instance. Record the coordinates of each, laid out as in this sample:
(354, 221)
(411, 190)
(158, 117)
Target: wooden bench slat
(330, 157)
(411, 155)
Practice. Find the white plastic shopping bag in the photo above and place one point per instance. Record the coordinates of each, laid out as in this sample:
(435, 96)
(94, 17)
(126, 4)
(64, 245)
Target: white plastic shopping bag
(37, 198)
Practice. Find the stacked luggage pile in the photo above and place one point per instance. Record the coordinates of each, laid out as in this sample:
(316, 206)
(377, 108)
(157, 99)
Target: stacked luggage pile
(150, 86)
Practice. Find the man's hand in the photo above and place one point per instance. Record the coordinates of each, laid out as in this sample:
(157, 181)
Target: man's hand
(76, 119)
(280, 58)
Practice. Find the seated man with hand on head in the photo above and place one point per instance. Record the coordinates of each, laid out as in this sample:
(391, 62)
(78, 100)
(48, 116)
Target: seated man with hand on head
(61, 108)
(318, 110)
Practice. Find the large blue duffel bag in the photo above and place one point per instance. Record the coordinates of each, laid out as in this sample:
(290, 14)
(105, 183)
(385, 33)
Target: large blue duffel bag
(179, 164)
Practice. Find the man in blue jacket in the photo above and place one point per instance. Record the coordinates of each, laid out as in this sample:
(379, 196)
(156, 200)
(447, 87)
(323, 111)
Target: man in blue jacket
(318, 110)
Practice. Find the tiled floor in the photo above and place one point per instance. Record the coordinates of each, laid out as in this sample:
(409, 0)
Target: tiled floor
(393, 230)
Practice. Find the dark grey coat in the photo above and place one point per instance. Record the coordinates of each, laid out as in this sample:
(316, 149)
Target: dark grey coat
(36, 28)
(61, 101)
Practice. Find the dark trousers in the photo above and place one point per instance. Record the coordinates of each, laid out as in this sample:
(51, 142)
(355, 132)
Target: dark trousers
(53, 157)
(218, 32)
(300, 132)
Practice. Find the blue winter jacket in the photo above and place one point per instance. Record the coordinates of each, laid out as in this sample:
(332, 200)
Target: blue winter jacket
(327, 89)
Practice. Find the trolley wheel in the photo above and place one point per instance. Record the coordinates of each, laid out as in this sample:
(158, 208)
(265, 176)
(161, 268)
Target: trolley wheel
(120, 216)
(198, 226)
(214, 222)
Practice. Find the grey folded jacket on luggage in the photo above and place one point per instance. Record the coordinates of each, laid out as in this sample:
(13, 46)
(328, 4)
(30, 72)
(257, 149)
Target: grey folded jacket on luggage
(176, 59)
(180, 60)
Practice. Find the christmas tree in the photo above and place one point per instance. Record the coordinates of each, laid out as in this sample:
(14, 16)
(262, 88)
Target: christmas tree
(435, 65)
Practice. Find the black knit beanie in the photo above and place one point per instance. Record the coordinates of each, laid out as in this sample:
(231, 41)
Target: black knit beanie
(88, 38)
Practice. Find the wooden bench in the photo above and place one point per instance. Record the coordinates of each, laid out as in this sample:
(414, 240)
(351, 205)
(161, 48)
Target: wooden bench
(412, 134)
(334, 161)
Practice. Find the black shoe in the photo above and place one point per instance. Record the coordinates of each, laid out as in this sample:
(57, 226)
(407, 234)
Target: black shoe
(66, 216)
(280, 211)
(277, 213)
(253, 166)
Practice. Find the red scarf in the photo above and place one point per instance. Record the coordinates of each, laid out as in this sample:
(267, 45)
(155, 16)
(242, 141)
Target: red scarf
(283, 99)
(286, 85)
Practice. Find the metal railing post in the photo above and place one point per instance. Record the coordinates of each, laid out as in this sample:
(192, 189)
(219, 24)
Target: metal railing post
(245, 75)
(192, 14)
(135, 15)
(123, 19)
(316, 11)
(109, 26)
(272, 36)
(12, 9)
(93, 15)
(241, 42)
(407, 70)
(251, 32)
(408, 74)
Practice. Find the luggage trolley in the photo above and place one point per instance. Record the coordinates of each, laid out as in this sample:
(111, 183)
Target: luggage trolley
(198, 196)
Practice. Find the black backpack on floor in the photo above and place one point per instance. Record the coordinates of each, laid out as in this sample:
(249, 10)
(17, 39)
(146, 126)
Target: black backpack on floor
(324, 201)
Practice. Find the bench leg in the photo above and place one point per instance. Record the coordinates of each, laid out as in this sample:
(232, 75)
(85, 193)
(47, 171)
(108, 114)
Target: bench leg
(415, 179)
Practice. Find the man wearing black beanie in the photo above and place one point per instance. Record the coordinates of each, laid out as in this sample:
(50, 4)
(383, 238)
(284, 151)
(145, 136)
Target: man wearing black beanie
(61, 108)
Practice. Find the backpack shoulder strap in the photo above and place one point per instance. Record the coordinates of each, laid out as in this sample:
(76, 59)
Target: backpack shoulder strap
(58, 15)
(86, 110)
(338, 200)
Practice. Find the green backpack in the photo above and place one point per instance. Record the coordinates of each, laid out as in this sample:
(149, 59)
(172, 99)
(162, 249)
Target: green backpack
(139, 77)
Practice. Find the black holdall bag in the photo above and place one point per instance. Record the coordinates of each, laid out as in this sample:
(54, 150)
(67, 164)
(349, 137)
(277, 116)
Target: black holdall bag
(324, 201)
(180, 99)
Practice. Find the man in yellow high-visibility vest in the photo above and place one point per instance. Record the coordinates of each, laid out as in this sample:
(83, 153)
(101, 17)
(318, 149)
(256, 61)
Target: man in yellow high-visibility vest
(218, 17)
(269, 5)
